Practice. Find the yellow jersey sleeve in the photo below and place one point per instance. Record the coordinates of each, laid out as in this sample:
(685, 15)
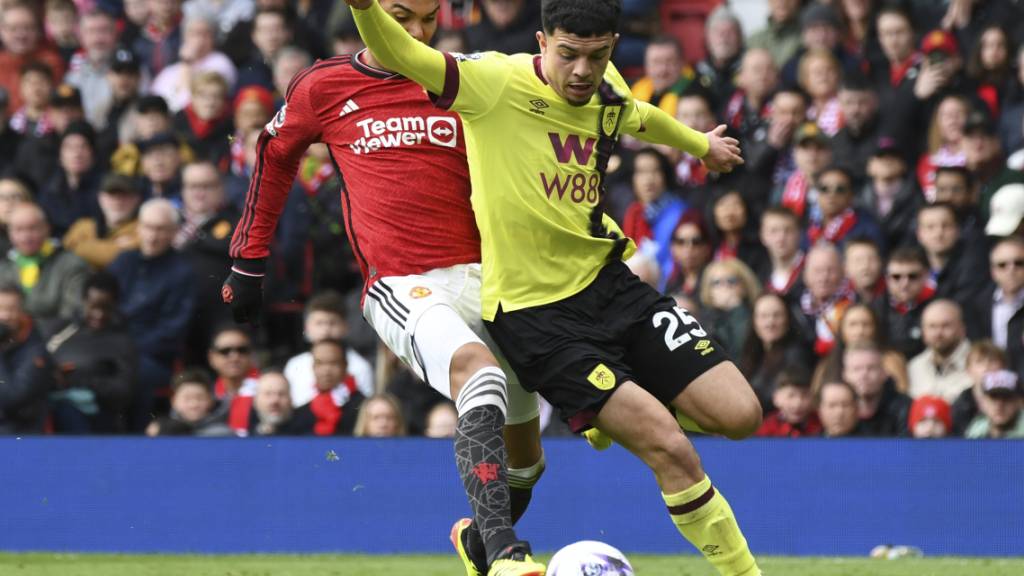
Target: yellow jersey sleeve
(652, 124)
(474, 83)
(396, 50)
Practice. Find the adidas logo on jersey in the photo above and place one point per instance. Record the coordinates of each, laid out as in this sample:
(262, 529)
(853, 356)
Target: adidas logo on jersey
(349, 107)
(405, 131)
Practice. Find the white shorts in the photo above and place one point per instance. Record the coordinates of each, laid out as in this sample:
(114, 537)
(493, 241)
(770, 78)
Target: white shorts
(395, 305)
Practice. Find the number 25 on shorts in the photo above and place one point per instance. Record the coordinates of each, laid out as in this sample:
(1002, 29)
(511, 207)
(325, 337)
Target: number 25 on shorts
(676, 333)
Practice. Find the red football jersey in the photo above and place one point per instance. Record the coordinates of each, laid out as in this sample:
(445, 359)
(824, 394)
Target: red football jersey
(403, 161)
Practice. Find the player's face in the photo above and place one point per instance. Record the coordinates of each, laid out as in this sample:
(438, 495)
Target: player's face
(574, 65)
(418, 17)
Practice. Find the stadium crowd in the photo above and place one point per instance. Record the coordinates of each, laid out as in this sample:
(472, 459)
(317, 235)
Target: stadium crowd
(865, 268)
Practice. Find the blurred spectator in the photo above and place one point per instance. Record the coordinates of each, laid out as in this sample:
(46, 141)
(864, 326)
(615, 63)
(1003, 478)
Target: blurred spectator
(113, 119)
(89, 68)
(955, 186)
(723, 36)
(346, 39)
(160, 162)
(772, 344)
(780, 235)
(840, 220)
(990, 67)
(941, 370)
(336, 399)
(746, 110)
(907, 291)
(21, 37)
(812, 154)
(666, 76)
(650, 220)
(781, 36)
(272, 411)
(51, 277)
(231, 357)
(197, 55)
(984, 357)
(938, 77)
(158, 296)
(445, 40)
(999, 312)
(1011, 121)
(60, 20)
(733, 231)
(862, 264)
(441, 420)
(881, 409)
(9, 138)
(820, 30)
(837, 409)
(136, 12)
(271, 31)
(26, 371)
(35, 85)
(225, 13)
(958, 269)
(13, 191)
(696, 110)
(1001, 408)
(727, 293)
(70, 193)
(691, 251)
(325, 319)
(1007, 212)
(308, 35)
(380, 416)
(508, 26)
(205, 123)
(39, 154)
(99, 240)
(818, 74)
(287, 64)
(929, 418)
(95, 358)
(794, 416)
(159, 40)
(205, 233)
(191, 409)
(769, 153)
(983, 156)
(891, 194)
(944, 143)
(859, 325)
(896, 76)
(855, 143)
(825, 298)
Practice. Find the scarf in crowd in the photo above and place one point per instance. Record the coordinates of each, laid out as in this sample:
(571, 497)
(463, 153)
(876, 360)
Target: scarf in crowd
(22, 124)
(327, 407)
(794, 195)
(826, 316)
(829, 117)
(202, 128)
(902, 308)
(30, 267)
(835, 229)
(791, 280)
(241, 401)
(668, 101)
(313, 172)
(691, 171)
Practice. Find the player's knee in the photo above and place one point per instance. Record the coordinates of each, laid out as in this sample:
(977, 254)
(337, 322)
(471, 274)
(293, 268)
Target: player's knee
(745, 418)
(466, 362)
(673, 454)
(526, 478)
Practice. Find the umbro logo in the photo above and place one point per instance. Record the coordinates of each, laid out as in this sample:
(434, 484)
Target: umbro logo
(349, 107)
(710, 550)
(538, 105)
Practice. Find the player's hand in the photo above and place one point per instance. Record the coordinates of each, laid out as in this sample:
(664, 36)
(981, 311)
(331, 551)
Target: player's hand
(243, 290)
(359, 4)
(723, 152)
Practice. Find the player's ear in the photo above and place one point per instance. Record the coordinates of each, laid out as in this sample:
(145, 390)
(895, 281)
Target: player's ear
(542, 41)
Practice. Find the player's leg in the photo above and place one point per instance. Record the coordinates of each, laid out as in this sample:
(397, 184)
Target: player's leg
(643, 425)
(721, 401)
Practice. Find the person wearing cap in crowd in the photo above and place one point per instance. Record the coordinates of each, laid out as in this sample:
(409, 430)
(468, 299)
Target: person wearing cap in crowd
(160, 163)
(125, 80)
(891, 194)
(70, 193)
(1001, 408)
(983, 358)
(999, 313)
(820, 29)
(840, 220)
(812, 153)
(22, 39)
(984, 158)
(99, 240)
(198, 54)
(781, 35)
(930, 418)
(941, 370)
(1006, 212)
(89, 67)
(51, 277)
(857, 140)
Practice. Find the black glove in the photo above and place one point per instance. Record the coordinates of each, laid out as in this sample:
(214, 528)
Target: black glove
(243, 290)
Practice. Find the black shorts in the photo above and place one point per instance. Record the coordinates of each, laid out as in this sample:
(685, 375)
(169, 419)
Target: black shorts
(576, 351)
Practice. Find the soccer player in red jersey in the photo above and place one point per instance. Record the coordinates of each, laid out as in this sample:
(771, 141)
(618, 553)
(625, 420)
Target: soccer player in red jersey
(408, 217)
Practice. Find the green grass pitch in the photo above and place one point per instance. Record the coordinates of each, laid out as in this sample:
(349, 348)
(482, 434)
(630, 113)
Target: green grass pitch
(329, 565)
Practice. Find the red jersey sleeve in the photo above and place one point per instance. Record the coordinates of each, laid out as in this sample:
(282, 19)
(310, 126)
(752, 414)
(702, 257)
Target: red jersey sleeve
(279, 150)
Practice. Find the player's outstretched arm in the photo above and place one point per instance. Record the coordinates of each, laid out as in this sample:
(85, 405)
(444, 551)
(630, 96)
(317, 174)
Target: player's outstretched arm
(718, 152)
(395, 49)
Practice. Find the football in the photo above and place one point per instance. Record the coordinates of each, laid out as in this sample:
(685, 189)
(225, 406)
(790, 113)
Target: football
(589, 558)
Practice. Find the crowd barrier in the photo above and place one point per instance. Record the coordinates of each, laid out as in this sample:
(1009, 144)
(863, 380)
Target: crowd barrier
(792, 497)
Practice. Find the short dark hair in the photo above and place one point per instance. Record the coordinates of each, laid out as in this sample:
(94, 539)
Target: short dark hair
(37, 67)
(328, 301)
(861, 241)
(284, 14)
(666, 40)
(12, 288)
(937, 206)
(839, 383)
(665, 166)
(192, 376)
(584, 18)
(781, 212)
(339, 344)
(229, 327)
(837, 168)
(896, 7)
(792, 376)
(857, 82)
(960, 171)
(104, 282)
(909, 254)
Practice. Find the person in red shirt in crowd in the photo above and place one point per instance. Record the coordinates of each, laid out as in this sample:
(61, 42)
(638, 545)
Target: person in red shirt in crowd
(794, 416)
(930, 418)
(22, 40)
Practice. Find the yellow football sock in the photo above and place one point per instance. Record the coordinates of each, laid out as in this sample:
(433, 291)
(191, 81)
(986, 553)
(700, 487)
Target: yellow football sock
(704, 517)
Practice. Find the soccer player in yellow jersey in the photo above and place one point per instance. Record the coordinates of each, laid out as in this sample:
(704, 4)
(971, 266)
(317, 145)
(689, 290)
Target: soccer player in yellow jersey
(608, 351)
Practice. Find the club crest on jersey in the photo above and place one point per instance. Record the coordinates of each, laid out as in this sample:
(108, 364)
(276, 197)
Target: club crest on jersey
(609, 120)
(419, 292)
(277, 121)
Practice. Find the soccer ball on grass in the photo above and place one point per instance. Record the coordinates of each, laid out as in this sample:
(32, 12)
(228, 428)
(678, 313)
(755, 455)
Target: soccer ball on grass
(589, 558)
